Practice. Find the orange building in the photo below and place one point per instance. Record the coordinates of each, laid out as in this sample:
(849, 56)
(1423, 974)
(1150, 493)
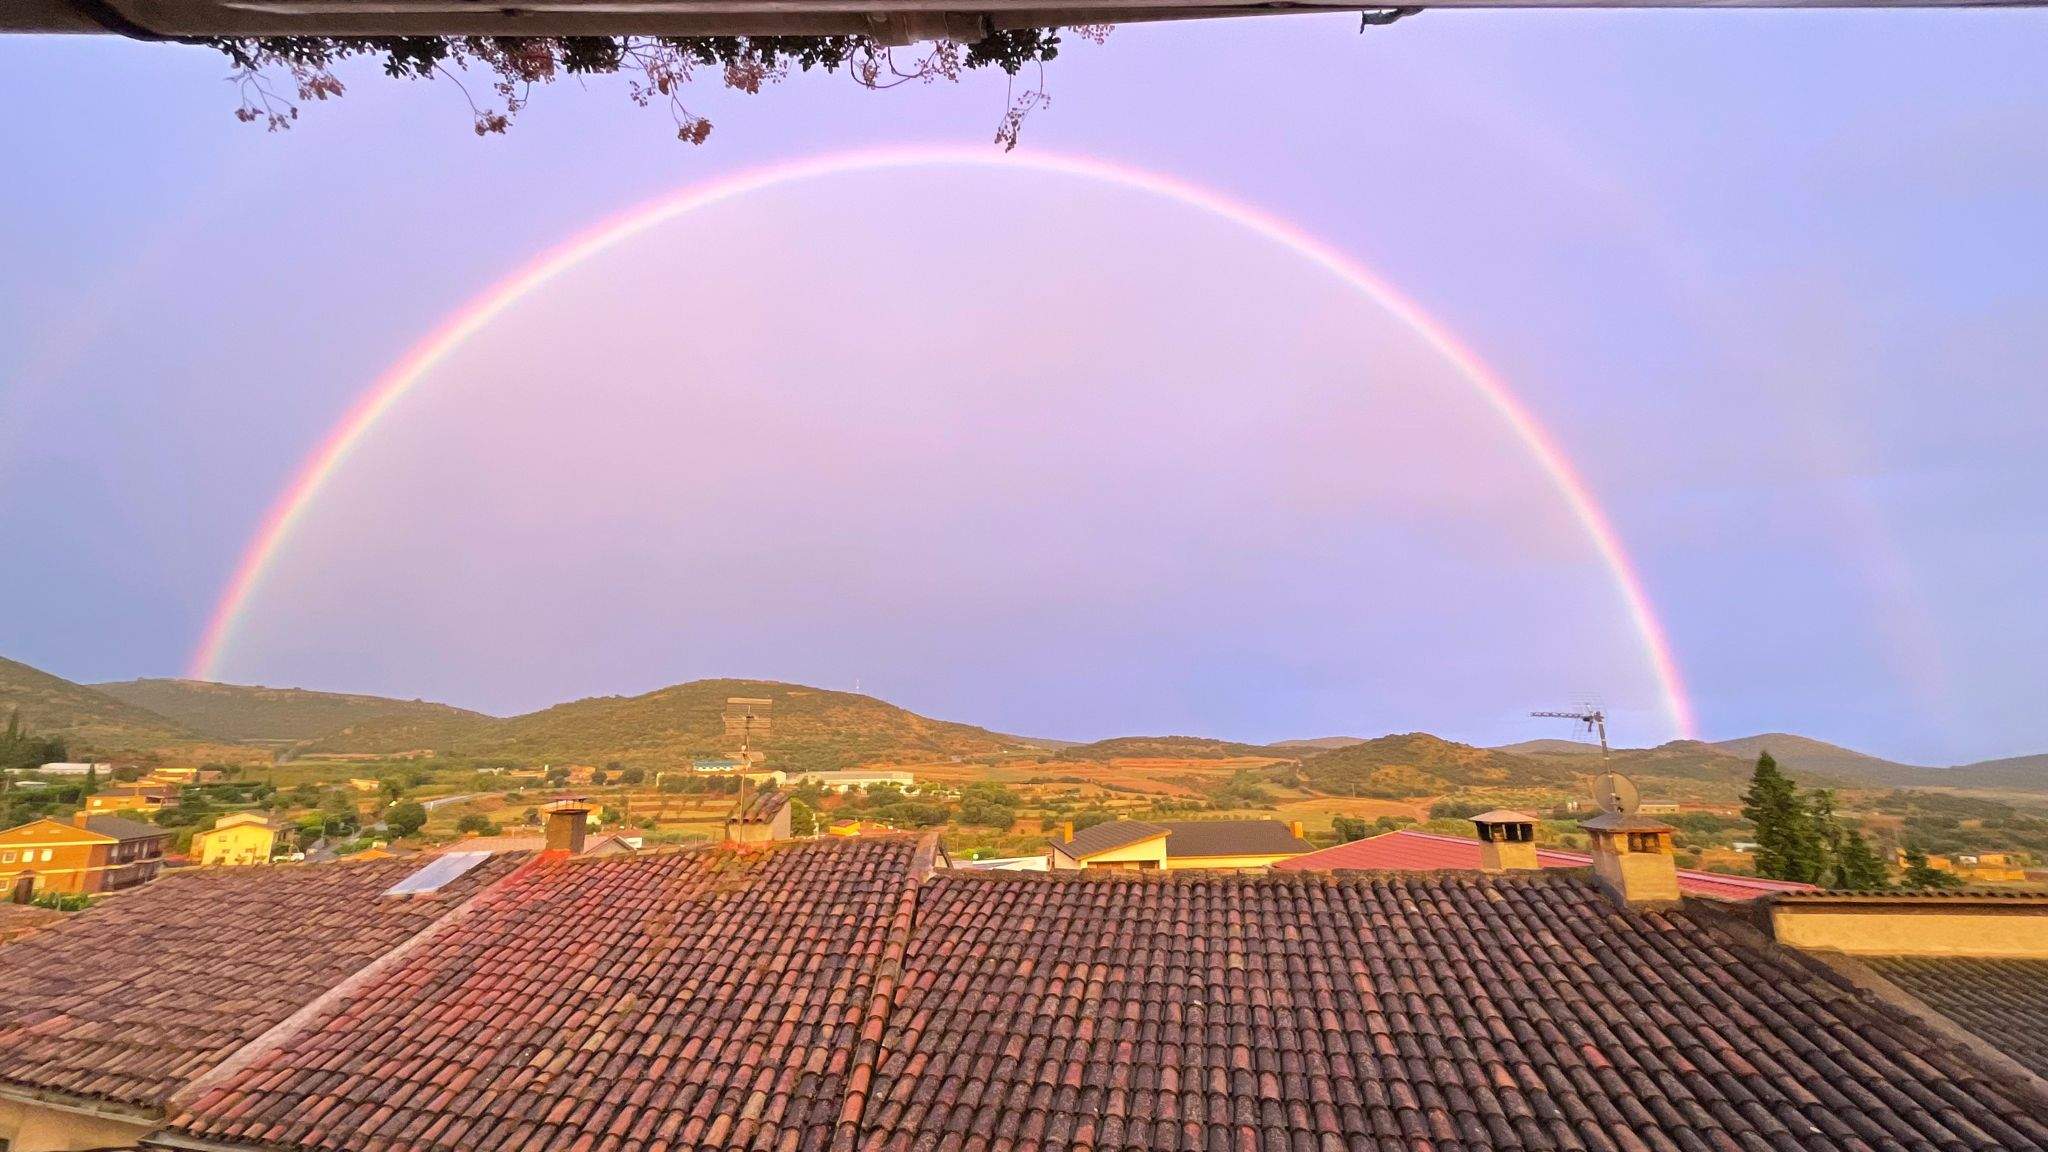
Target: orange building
(89, 854)
(139, 797)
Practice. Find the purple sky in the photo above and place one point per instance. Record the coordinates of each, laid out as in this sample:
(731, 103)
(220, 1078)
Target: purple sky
(1063, 460)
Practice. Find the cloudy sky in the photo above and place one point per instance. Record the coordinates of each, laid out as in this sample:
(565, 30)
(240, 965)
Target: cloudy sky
(1057, 455)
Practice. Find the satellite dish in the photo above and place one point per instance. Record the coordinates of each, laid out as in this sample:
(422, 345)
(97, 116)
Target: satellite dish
(1616, 794)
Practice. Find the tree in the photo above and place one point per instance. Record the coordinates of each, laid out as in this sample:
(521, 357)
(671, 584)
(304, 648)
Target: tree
(1349, 828)
(92, 780)
(1920, 874)
(1788, 846)
(600, 777)
(660, 68)
(393, 787)
(405, 818)
(475, 822)
(634, 775)
(803, 819)
(1857, 867)
(986, 813)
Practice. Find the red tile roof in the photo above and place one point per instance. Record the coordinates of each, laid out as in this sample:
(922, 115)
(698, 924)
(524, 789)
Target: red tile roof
(838, 995)
(705, 999)
(1448, 1012)
(1411, 851)
(137, 996)
(760, 808)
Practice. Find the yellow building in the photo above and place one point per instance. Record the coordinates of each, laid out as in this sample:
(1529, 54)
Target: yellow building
(238, 838)
(1172, 845)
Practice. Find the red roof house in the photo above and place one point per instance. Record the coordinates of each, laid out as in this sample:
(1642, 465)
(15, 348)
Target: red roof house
(1411, 851)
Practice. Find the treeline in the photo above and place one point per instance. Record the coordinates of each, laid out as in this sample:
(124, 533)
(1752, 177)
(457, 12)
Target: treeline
(22, 751)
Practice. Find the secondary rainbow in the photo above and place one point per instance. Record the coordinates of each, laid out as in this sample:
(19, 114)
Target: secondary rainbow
(289, 509)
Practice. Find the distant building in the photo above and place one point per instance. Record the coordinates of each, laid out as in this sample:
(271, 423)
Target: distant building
(86, 854)
(70, 768)
(132, 798)
(1977, 867)
(1171, 845)
(364, 784)
(850, 779)
(715, 764)
(182, 776)
(1658, 807)
(239, 838)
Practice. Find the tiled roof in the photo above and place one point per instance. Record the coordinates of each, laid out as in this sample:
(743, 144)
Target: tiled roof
(1109, 836)
(135, 997)
(122, 828)
(2005, 1002)
(1192, 838)
(760, 808)
(1448, 1013)
(1411, 851)
(690, 1000)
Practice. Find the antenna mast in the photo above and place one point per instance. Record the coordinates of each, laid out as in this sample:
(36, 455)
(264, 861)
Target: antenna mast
(1593, 718)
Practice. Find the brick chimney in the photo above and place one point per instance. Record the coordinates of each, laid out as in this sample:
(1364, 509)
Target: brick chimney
(1507, 841)
(79, 818)
(567, 820)
(1632, 857)
(1066, 831)
(1294, 830)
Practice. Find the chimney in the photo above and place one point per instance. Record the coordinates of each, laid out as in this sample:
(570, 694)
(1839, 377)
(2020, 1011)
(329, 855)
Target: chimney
(1066, 831)
(1507, 841)
(1632, 857)
(1294, 829)
(567, 819)
(79, 818)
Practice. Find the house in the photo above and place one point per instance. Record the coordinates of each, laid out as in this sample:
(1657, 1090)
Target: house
(859, 996)
(365, 784)
(847, 780)
(715, 764)
(1977, 867)
(1144, 846)
(180, 776)
(137, 797)
(102, 770)
(86, 854)
(237, 838)
(760, 818)
(1410, 850)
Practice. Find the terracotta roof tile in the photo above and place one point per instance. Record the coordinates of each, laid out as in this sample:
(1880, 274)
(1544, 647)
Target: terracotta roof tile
(711, 998)
(2005, 1002)
(1407, 850)
(1451, 1013)
(760, 808)
(147, 990)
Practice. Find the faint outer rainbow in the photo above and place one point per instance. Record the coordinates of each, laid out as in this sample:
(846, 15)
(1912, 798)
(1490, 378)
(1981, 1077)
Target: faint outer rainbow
(289, 508)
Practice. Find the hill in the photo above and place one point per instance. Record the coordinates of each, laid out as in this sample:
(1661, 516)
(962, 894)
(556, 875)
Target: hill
(1801, 754)
(88, 721)
(1550, 747)
(2011, 774)
(1319, 744)
(1418, 764)
(1163, 748)
(809, 729)
(280, 715)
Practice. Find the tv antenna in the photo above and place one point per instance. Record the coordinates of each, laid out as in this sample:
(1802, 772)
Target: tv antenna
(1593, 718)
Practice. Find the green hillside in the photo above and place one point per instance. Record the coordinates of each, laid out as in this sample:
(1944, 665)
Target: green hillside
(1163, 748)
(86, 720)
(808, 729)
(1318, 744)
(273, 715)
(1418, 764)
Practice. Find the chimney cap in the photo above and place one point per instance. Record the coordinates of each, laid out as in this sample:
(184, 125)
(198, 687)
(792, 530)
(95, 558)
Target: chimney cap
(1504, 816)
(567, 804)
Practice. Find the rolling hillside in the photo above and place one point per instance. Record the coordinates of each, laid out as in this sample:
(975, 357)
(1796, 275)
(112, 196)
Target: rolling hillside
(280, 715)
(87, 720)
(1164, 748)
(1799, 754)
(809, 729)
(1319, 744)
(1418, 764)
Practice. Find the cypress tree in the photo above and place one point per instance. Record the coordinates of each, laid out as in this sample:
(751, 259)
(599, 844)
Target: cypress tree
(1857, 867)
(1788, 847)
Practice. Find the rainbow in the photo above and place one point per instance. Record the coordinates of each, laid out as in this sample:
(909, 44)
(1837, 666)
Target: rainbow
(289, 508)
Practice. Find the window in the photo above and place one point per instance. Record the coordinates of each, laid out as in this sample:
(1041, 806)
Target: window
(47, 853)
(6, 857)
